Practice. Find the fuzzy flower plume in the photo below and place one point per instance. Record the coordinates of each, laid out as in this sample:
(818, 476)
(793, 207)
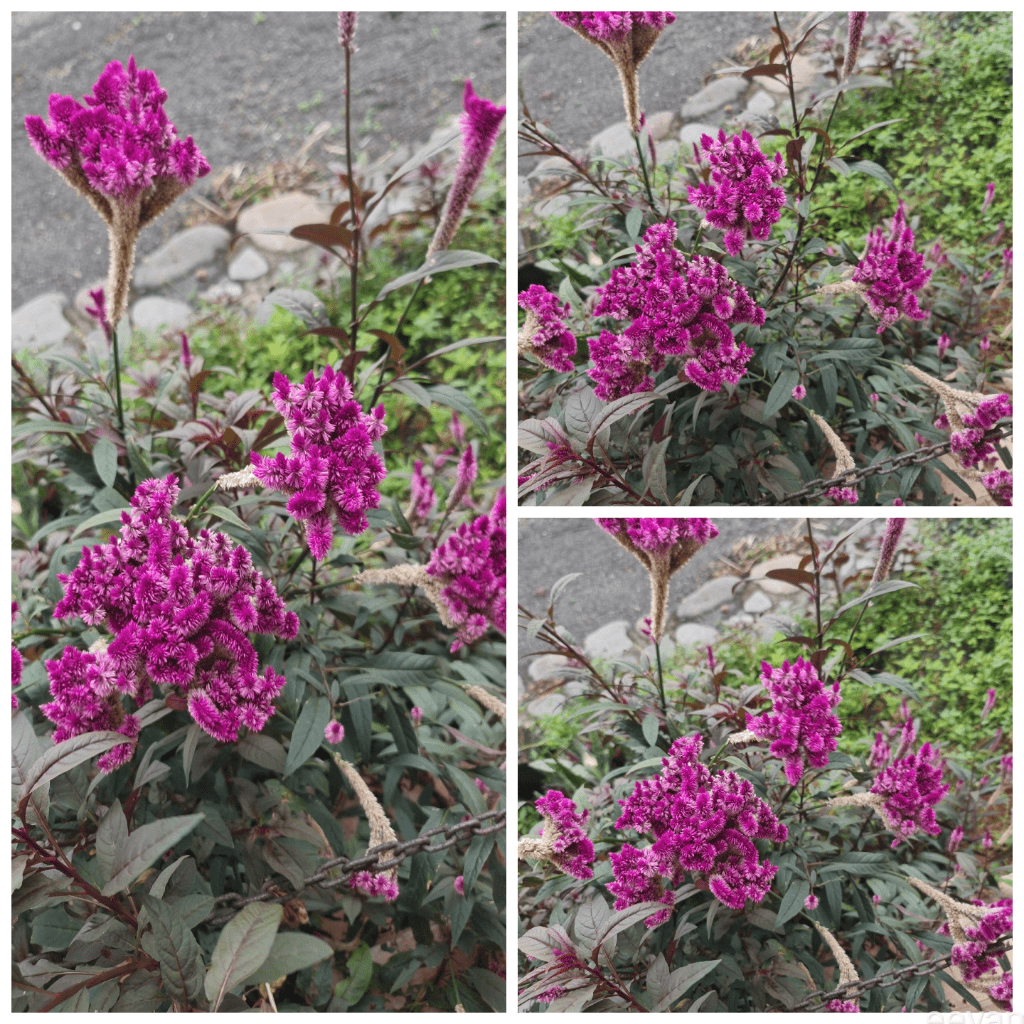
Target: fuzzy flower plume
(384, 884)
(17, 661)
(123, 154)
(481, 122)
(740, 198)
(890, 272)
(880, 752)
(890, 541)
(626, 37)
(464, 477)
(333, 471)
(347, 30)
(699, 822)
(856, 34)
(847, 972)
(470, 566)
(663, 547)
(563, 840)
(677, 307)
(544, 334)
(844, 463)
(179, 609)
(424, 500)
(802, 726)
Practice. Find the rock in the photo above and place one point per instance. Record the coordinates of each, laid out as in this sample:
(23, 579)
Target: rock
(286, 267)
(548, 705)
(553, 169)
(247, 266)
(522, 689)
(283, 212)
(155, 312)
(689, 136)
(265, 310)
(760, 104)
(769, 625)
(524, 194)
(739, 619)
(660, 124)
(667, 149)
(223, 292)
(714, 593)
(574, 688)
(547, 666)
(692, 634)
(804, 72)
(40, 324)
(610, 641)
(777, 586)
(616, 143)
(757, 603)
(186, 251)
(553, 207)
(668, 648)
(713, 96)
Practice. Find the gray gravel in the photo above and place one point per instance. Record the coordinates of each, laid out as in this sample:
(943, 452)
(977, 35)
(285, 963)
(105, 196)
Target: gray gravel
(235, 84)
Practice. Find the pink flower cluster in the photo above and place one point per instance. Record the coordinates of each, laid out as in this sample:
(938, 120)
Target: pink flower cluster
(912, 786)
(842, 495)
(376, 885)
(999, 483)
(893, 272)
(424, 500)
(333, 470)
(121, 141)
(971, 956)
(1001, 992)
(179, 609)
(471, 565)
(740, 198)
(678, 307)
(802, 726)
(553, 343)
(699, 822)
(573, 851)
(657, 536)
(614, 24)
(843, 1006)
(970, 445)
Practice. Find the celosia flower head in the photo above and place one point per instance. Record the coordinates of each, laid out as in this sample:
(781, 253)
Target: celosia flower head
(740, 199)
(333, 471)
(347, 30)
(571, 850)
(856, 34)
(892, 272)
(464, 477)
(969, 444)
(424, 500)
(699, 822)
(470, 564)
(677, 307)
(480, 123)
(179, 609)
(802, 725)
(890, 541)
(543, 334)
(911, 787)
(123, 154)
(999, 483)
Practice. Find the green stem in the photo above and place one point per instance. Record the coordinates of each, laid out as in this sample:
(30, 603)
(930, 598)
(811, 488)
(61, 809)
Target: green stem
(643, 170)
(380, 377)
(661, 682)
(198, 506)
(356, 227)
(117, 385)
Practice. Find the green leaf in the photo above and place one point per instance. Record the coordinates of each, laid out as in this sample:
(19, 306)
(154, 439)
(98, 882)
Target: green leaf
(174, 947)
(360, 971)
(47, 427)
(308, 733)
(112, 515)
(476, 856)
(104, 458)
(895, 643)
(446, 259)
(144, 846)
(650, 729)
(53, 929)
(614, 411)
(780, 394)
(414, 391)
(634, 219)
(242, 948)
(461, 908)
(626, 918)
(445, 394)
(291, 952)
(111, 837)
(792, 901)
(264, 751)
(227, 515)
(62, 757)
(873, 170)
(682, 979)
(188, 748)
(489, 987)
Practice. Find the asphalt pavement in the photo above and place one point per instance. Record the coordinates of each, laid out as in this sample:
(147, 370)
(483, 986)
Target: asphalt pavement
(248, 87)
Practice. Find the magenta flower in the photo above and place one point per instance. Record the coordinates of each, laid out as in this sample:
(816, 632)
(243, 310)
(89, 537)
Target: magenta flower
(424, 500)
(880, 752)
(481, 123)
(179, 609)
(999, 483)
(971, 956)
(990, 194)
(969, 444)
(347, 30)
(856, 34)
(990, 703)
(333, 470)
(458, 431)
(892, 272)
(955, 839)
(464, 477)
(699, 822)
(382, 885)
(470, 565)
(799, 392)
(1001, 992)
(572, 851)
(842, 495)
(911, 787)
(802, 726)
(460, 885)
(942, 344)
(416, 714)
(740, 198)
(811, 901)
(677, 307)
(544, 334)
(890, 541)
(335, 732)
(842, 1006)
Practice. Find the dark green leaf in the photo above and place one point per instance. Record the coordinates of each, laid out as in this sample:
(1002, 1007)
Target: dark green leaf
(227, 515)
(174, 947)
(792, 901)
(111, 837)
(104, 457)
(446, 259)
(242, 948)
(781, 393)
(291, 952)
(308, 733)
(144, 846)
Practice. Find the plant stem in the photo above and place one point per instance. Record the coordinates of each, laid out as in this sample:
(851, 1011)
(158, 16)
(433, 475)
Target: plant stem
(198, 506)
(117, 384)
(643, 170)
(354, 265)
(146, 964)
(661, 682)
(817, 582)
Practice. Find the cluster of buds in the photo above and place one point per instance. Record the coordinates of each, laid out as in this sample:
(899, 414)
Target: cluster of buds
(562, 841)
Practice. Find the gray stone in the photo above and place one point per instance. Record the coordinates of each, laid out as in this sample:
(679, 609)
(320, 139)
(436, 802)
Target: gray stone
(247, 266)
(757, 603)
(574, 688)
(777, 586)
(692, 634)
(760, 104)
(660, 124)
(186, 251)
(689, 136)
(40, 323)
(154, 312)
(668, 648)
(553, 169)
(97, 346)
(524, 194)
(282, 213)
(553, 207)
(615, 143)
(714, 593)
(769, 625)
(804, 72)
(522, 689)
(222, 292)
(265, 310)
(610, 641)
(547, 666)
(714, 95)
(667, 149)
(548, 705)
(739, 619)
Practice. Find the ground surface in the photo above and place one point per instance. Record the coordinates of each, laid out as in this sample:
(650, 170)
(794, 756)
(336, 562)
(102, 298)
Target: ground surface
(246, 89)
